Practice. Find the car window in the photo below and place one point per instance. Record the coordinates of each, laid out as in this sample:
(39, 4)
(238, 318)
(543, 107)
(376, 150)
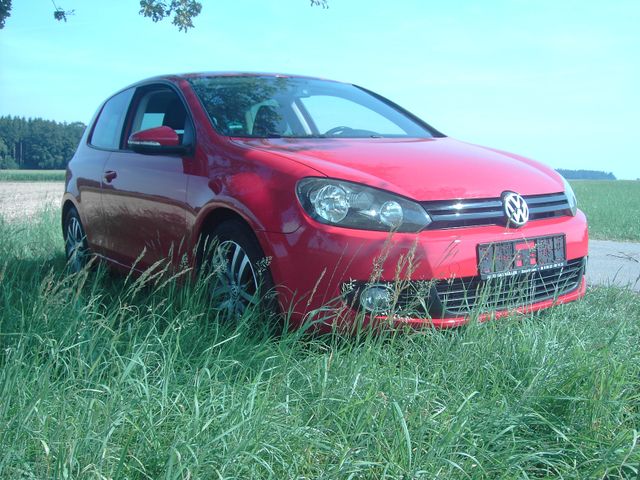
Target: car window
(263, 107)
(160, 106)
(107, 131)
(330, 112)
(271, 118)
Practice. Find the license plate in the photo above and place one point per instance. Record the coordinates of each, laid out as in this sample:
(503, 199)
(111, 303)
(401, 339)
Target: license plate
(504, 259)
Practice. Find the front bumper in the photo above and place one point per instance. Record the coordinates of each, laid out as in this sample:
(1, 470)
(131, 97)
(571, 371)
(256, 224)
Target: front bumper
(312, 265)
(456, 321)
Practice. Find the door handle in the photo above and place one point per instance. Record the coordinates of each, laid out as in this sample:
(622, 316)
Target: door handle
(110, 175)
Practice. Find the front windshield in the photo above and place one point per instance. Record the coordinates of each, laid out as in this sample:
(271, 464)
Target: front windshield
(273, 107)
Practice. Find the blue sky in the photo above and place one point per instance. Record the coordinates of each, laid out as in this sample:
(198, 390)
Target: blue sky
(558, 81)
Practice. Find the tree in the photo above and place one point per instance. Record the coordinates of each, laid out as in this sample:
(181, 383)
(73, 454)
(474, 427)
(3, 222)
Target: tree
(37, 143)
(5, 11)
(181, 12)
(585, 174)
(6, 161)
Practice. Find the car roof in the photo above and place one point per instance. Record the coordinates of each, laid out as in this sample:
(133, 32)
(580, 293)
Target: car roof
(192, 75)
(177, 77)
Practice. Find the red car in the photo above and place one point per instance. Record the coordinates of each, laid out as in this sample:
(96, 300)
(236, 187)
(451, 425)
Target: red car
(336, 197)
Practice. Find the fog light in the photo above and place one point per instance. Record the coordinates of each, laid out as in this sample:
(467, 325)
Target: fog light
(376, 298)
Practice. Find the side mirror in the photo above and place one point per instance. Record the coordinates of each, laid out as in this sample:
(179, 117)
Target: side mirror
(157, 140)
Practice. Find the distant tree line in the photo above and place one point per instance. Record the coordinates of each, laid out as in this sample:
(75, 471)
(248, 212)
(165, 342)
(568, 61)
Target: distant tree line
(585, 174)
(35, 143)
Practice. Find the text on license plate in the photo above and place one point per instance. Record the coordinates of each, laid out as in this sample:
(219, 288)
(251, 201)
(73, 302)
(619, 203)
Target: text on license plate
(503, 259)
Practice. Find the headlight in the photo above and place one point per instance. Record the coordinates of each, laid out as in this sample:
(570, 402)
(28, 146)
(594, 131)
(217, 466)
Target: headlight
(571, 197)
(351, 205)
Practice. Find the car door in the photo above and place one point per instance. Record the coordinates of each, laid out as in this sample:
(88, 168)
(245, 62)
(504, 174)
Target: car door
(144, 195)
(104, 138)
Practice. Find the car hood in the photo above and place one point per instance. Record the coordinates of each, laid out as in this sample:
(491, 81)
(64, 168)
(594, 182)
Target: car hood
(422, 169)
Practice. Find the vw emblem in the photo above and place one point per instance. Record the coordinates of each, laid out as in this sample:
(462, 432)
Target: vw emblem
(516, 209)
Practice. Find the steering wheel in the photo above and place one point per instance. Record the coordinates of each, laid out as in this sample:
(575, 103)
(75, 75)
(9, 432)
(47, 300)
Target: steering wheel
(337, 131)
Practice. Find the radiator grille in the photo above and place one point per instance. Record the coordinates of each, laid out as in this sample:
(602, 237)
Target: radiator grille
(465, 213)
(463, 295)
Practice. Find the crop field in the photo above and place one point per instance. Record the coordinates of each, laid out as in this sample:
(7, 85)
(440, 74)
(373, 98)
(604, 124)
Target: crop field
(107, 376)
(23, 200)
(32, 175)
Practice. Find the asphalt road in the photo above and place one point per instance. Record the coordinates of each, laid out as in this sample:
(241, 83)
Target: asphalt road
(610, 263)
(614, 263)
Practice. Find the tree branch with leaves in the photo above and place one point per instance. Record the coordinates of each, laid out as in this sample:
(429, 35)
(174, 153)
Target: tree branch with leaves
(181, 12)
(5, 11)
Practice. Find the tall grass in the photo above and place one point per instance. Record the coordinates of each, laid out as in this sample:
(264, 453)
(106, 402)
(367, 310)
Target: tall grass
(113, 377)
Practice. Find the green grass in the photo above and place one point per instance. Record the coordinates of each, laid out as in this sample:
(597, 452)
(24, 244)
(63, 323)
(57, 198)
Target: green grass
(612, 208)
(32, 175)
(110, 377)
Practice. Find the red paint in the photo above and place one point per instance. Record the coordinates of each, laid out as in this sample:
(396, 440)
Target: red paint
(163, 136)
(159, 203)
(525, 246)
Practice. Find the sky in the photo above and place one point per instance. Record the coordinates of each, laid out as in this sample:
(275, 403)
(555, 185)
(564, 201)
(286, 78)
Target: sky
(553, 80)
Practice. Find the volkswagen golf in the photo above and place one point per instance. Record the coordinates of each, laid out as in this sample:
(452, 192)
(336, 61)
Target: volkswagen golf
(334, 198)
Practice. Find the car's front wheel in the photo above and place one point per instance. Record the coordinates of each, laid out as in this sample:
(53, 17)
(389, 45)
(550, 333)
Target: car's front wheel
(238, 271)
(75, 241)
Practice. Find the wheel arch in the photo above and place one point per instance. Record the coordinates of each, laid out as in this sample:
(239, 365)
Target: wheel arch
(214, 217)
(67, 204)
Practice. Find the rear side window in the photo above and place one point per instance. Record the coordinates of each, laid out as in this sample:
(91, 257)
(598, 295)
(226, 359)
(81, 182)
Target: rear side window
(108, 129)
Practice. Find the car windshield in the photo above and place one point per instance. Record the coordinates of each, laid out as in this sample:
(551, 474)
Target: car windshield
(273, 107)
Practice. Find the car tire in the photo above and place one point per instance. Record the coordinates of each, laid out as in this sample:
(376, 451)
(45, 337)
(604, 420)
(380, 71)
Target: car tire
(75, 242)
(235, 264)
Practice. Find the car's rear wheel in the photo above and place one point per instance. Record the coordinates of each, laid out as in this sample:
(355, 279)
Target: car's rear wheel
(238, 271)
(75, 241)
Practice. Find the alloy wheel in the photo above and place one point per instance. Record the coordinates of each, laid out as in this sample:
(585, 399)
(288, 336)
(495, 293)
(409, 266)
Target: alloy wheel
(236, 282)
(75, 244)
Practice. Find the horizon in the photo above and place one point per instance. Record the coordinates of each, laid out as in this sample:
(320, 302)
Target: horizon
(503, 75)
